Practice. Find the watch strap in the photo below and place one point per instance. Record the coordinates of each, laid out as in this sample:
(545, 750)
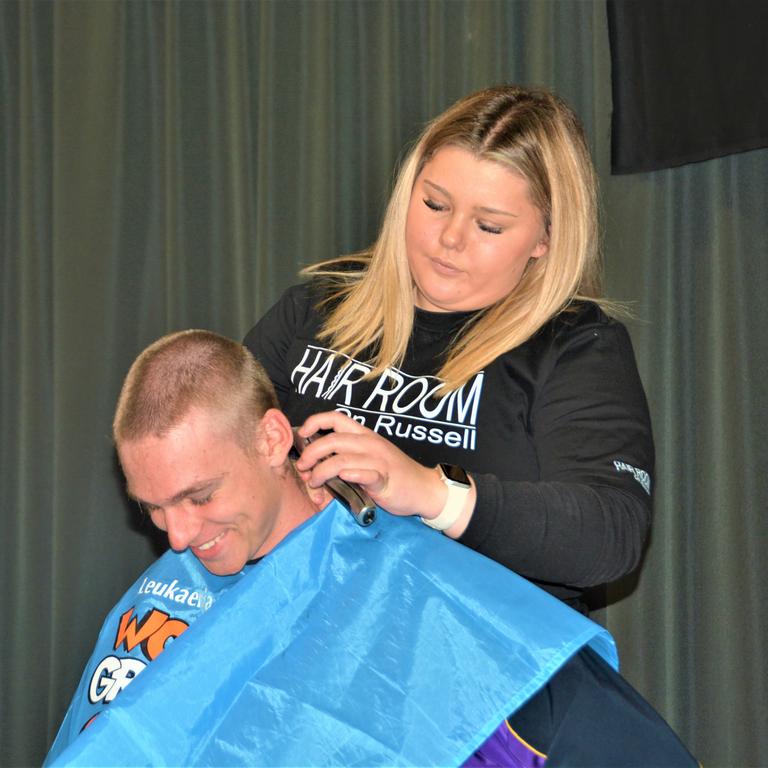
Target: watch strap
(454, 504)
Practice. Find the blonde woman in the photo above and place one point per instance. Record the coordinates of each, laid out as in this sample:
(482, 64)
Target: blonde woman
(464, 367)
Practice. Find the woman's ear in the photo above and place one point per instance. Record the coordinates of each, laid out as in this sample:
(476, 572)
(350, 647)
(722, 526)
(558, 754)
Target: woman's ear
(275, 437)
(541, 248)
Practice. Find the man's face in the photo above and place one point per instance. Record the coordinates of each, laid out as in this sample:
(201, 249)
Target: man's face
(200, 486)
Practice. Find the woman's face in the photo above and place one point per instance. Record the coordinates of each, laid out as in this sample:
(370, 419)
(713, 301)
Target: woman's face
(470, 232)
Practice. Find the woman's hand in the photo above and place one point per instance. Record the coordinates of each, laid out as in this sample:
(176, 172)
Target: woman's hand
(393, 480)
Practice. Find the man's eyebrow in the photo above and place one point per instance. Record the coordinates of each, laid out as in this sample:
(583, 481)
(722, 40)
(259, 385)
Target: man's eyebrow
(203, 485)
(482, 208)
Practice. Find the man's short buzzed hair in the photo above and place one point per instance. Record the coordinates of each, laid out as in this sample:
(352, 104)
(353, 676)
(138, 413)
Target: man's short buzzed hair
(192, 369)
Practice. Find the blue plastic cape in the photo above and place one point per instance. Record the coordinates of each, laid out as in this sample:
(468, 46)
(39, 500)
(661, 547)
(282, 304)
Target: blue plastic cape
(159, 607)
(387, 645)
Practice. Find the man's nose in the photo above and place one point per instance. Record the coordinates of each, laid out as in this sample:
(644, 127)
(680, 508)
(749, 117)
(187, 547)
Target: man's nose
(182, 526)
(453, 233)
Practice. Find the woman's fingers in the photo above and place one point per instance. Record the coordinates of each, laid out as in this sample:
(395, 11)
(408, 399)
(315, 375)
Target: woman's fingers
(331, 420)
(358, 455)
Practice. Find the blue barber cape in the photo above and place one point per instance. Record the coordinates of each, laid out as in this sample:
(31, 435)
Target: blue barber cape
(386, 645)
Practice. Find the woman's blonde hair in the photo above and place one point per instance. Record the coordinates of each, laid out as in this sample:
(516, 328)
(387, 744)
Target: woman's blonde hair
(534, 134)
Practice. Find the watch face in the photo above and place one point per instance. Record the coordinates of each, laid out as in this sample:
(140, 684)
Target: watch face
(455, 474)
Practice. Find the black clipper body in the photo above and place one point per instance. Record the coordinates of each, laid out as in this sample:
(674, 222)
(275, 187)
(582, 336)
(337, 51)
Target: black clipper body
(354, 498)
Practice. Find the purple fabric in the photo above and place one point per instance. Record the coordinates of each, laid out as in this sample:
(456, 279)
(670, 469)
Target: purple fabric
(504, 748)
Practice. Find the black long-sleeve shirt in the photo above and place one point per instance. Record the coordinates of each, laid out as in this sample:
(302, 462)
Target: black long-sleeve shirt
(555, 433)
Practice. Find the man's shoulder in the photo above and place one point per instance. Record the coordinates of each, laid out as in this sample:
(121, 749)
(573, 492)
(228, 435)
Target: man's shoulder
(588, 714)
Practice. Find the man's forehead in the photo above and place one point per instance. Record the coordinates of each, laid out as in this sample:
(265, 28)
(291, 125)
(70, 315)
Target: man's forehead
(188, 457)
(161, 472)
(202, 486)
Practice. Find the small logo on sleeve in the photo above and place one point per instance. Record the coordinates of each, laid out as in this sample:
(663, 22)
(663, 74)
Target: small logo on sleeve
(640, 475)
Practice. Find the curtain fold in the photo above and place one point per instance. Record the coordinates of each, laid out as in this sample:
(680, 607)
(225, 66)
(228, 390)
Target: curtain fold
(693, 253)
(169, 164)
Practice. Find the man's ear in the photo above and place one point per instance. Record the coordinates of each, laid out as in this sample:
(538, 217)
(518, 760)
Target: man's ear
(321, 497)
(275, 437)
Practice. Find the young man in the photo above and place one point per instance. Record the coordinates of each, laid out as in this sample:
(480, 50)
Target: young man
(205, 450)
(380, 645)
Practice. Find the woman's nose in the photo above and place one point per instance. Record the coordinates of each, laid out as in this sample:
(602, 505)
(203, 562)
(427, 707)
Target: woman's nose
(453, 235)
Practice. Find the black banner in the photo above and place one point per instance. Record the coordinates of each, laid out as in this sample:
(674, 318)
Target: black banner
(689, 81)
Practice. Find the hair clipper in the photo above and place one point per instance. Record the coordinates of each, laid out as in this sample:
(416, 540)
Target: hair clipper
(351, 495)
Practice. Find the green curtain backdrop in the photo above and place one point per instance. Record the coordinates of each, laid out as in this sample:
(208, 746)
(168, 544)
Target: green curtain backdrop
(166, 165)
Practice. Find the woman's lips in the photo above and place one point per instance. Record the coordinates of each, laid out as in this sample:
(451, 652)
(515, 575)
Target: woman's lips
(444, 267)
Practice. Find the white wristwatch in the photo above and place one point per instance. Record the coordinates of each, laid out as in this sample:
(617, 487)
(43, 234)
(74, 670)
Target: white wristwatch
(459, 485)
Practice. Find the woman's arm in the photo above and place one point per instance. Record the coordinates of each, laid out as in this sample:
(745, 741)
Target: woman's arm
(585, 520)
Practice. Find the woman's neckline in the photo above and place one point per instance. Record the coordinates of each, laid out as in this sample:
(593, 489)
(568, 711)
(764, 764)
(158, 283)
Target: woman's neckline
(442, 321)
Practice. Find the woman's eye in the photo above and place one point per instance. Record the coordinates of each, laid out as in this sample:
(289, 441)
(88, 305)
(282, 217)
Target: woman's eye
(489, 228)
(199, 502)
(433, 205)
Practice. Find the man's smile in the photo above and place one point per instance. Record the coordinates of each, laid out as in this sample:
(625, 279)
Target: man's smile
(211, 543)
